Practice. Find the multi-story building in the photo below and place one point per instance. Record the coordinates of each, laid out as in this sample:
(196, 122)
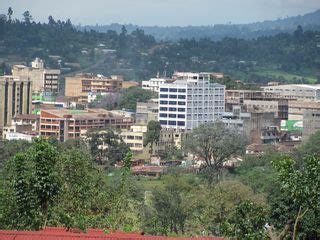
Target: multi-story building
(154, 83)
(309, 92)
(191, 100)
(296, 109)
(66, 124)
(43, 80)
(134, 137)
(83, 84)
(15, 98)
(311, 123)
(147, 112)
(258, 101)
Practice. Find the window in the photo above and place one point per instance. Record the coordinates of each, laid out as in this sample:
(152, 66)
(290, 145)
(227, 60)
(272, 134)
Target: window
(181, 116)
(182, 97)
(163, 95)
(172, 115)
(163, 109)
(173, 96)
(163, 122)
(181, 109)
(182, 90)
(163, 89)
(163, 115)
(181, 123)
(163, 102)
(172, 109)
(173, 90)
(172, 123)
(181, 103)
(172, 102)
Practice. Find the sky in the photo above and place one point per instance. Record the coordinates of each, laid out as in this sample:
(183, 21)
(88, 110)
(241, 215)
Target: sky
(160, 12)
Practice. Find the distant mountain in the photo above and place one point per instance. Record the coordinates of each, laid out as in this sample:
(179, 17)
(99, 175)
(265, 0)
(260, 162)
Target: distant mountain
(310, 21)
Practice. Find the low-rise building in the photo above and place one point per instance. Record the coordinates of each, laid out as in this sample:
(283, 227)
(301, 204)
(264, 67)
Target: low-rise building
(82, 84)
(134, 137)
(64, 124)
(154, 83)
(296, 109)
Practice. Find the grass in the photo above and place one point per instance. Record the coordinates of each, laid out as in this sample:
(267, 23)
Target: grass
(290, 77)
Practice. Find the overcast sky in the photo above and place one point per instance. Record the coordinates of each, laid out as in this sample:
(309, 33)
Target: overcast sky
(160, 12)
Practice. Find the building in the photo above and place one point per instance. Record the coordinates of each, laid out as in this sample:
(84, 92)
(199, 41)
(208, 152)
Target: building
(258, 101)
(296, 109)
(129, 84)
(154, 83)
(82, 84)
(15, 98)
(134, 137)
(311, 123)
(191, 100)
(310, 92)
(43, 80)
(147, 112)
(64, 124)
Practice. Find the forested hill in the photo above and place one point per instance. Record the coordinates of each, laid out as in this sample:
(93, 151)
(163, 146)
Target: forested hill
(284, 57)
(310, 21)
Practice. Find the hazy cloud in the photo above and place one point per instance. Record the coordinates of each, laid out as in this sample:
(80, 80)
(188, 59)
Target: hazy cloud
(161, 12)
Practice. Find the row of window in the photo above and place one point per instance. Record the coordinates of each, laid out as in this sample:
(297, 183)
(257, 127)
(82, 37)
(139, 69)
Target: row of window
(173, 123)
(172, 109)
(172, 115)
(172, 90)
(172, 103)
(172, 96)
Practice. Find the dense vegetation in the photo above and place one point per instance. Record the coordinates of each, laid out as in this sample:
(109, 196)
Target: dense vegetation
(271, 196)
(285, 57)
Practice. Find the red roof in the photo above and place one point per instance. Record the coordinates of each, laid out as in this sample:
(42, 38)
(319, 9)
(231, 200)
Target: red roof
(55, 233)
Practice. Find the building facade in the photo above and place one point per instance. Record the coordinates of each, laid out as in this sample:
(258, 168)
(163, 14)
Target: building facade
(134, 137)
(83, 84)
(43, 80)
(153, 84)
(15, 98)
(147, 112)
(191, 100)
(311, 123)
(310, 92)
(64, 124)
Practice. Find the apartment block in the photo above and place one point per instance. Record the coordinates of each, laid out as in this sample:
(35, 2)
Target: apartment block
(83, 84)
(134, 137)
(154, 83)
(311, 123)
(15, 98)
(296, 109)
(191, 100)
(43, 80)
(64, 124)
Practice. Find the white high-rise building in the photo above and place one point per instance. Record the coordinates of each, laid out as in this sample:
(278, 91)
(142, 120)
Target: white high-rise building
(154, 83)
(191, 100)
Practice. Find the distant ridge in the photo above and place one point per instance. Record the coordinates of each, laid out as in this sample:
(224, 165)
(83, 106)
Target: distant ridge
(309, 21)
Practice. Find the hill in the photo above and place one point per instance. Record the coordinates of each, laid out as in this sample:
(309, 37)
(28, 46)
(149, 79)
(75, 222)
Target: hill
(310, 21)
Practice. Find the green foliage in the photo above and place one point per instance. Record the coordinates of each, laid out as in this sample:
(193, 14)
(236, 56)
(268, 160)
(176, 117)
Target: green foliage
(215, 144)
(247, 222)
(152, 135)
(172, 153)
(129, 97)
(312, 146)
(106, 146)
(10, 148)
(300, 184)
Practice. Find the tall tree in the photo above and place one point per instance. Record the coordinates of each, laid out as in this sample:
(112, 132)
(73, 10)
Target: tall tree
(10, 12)
(153, 134)
(215, 144)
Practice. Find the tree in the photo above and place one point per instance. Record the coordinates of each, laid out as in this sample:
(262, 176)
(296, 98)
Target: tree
(27, 17)
(129, 97)
(10, 12)
(300, 184)
(215, 144)
(247, 222)
(106, 146)
(153, 134)
(33, 186)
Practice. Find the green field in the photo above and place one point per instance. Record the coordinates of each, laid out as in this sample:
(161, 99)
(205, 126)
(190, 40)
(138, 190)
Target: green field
(290, 77)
